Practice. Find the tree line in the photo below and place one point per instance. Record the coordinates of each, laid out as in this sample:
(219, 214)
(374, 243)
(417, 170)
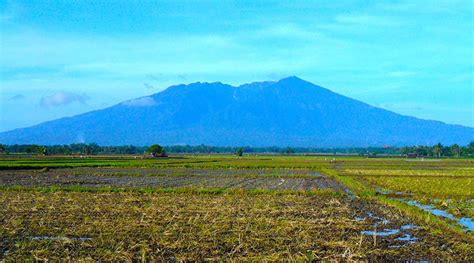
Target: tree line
(77, 148)
(437, 150)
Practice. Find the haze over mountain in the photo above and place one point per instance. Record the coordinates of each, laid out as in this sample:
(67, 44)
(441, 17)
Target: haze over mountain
(289, 112)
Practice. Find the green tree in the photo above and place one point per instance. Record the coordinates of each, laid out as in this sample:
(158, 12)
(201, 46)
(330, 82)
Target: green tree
(288, 151)
(405, 150)
(3, 148)
(156, 150)
(30, 148)
(455, 150)
(240, 151)
(437, 150)
(86, 149)
(94, 148)
(42, 150)
(470, 148)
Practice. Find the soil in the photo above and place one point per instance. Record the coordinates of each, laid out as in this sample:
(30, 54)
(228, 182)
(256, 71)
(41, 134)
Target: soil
(273, 179)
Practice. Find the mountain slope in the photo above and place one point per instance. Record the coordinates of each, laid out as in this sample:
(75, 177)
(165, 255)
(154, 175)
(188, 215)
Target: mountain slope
(288, 112)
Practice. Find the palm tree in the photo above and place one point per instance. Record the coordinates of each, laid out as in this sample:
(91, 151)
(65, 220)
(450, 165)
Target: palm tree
(455, 150)
(437, 149)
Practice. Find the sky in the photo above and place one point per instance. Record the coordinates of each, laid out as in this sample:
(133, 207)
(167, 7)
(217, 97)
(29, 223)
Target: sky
(62, 58)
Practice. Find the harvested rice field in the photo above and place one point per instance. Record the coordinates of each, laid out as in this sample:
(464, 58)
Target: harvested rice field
(214, 208)
(275, 179)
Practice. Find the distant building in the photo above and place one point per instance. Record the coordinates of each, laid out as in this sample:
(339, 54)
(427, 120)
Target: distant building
(412, 155)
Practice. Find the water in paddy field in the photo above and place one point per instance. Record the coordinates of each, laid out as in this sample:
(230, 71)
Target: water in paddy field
(465, 222)
(408, 238)
(387, 231)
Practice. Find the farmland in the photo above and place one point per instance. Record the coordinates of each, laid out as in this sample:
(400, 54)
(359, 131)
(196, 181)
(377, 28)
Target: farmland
(107, 208)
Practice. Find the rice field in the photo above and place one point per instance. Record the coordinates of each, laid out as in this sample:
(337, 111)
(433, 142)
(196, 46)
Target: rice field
(215, 208)
(445, 185)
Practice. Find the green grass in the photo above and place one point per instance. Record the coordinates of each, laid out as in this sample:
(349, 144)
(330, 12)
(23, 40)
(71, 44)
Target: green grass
(444, 172)
(448, 182)
(434, 187)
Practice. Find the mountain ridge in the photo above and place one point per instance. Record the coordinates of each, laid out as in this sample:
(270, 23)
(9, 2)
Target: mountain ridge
(288, 112)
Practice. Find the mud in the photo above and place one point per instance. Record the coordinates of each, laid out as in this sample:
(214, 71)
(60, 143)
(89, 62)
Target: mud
(272, 179)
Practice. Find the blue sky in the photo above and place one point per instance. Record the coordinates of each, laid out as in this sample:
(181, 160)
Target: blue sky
(61, 58)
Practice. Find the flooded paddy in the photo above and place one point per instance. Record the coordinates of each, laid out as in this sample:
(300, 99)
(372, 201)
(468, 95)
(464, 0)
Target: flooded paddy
(464, 222)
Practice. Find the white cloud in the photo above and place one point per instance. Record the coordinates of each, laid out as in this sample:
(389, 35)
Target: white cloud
(63, 98)
(140, 102)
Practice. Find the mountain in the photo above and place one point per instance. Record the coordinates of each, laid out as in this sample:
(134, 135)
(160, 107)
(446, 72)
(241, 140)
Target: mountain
(289, 112)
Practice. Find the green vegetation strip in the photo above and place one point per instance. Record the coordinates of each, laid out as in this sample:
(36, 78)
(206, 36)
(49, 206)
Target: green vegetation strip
(437, 224)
